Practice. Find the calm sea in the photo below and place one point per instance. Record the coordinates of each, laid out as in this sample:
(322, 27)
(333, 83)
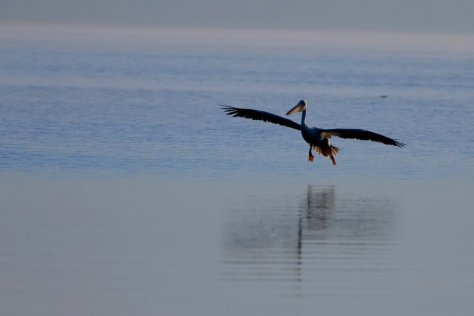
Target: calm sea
(125, 189)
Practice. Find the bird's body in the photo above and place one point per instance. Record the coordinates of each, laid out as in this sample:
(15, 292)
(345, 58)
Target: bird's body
(314, 137)
(317, 138)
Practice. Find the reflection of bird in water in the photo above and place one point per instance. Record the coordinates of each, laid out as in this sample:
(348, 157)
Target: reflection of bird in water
(275, 239)
(353, 218)
(321, 202)
(317, 138)
(320, 205)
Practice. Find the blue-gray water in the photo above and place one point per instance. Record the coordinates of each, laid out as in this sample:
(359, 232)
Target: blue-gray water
(125, 189)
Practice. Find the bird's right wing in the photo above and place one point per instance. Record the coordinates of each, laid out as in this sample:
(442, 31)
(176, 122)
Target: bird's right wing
(260, 116)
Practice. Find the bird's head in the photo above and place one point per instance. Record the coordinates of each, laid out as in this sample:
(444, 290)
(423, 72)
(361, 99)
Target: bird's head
(300, 107)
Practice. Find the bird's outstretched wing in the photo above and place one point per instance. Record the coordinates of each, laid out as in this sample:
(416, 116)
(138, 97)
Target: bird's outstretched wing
(260, 116)
(361, 134)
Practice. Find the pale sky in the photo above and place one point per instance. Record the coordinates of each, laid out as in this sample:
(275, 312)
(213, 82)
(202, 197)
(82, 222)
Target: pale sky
(368, 15)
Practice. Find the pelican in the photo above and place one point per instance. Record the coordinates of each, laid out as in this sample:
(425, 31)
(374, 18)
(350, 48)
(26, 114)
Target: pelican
(317, 138)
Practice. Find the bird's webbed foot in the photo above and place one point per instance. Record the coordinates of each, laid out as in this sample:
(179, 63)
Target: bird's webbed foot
(310, 156)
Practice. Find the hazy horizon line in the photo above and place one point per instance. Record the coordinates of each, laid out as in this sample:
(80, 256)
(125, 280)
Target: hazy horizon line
(304, 38)
(250, 28)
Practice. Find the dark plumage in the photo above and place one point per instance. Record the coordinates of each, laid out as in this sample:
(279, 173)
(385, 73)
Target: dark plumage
(361, 134)
(260, 116)
(317, 138)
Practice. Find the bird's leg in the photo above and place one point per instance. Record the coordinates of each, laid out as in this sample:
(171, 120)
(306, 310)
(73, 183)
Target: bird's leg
(333, 159)
(310, 157)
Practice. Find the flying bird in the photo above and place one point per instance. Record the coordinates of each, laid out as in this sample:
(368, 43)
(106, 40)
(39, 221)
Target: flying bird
(317, 138)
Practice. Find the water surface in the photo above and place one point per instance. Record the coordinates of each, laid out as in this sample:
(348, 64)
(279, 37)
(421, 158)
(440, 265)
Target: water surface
(125, 189)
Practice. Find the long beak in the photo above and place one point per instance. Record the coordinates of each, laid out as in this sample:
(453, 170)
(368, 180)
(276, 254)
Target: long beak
(300, 107)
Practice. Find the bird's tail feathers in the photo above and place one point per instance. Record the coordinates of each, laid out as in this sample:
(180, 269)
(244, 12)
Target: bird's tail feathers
(327, 151)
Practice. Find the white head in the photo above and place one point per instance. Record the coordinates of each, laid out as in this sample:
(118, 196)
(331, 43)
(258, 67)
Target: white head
(300, 107)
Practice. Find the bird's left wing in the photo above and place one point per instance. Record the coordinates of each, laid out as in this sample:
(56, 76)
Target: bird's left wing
(362, 135)
(260, 116)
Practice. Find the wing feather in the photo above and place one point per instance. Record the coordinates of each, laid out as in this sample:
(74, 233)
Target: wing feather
(362, 135)
(260, 116)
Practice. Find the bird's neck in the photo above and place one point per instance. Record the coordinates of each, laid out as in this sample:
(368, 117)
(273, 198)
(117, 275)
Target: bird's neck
(303, 116)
